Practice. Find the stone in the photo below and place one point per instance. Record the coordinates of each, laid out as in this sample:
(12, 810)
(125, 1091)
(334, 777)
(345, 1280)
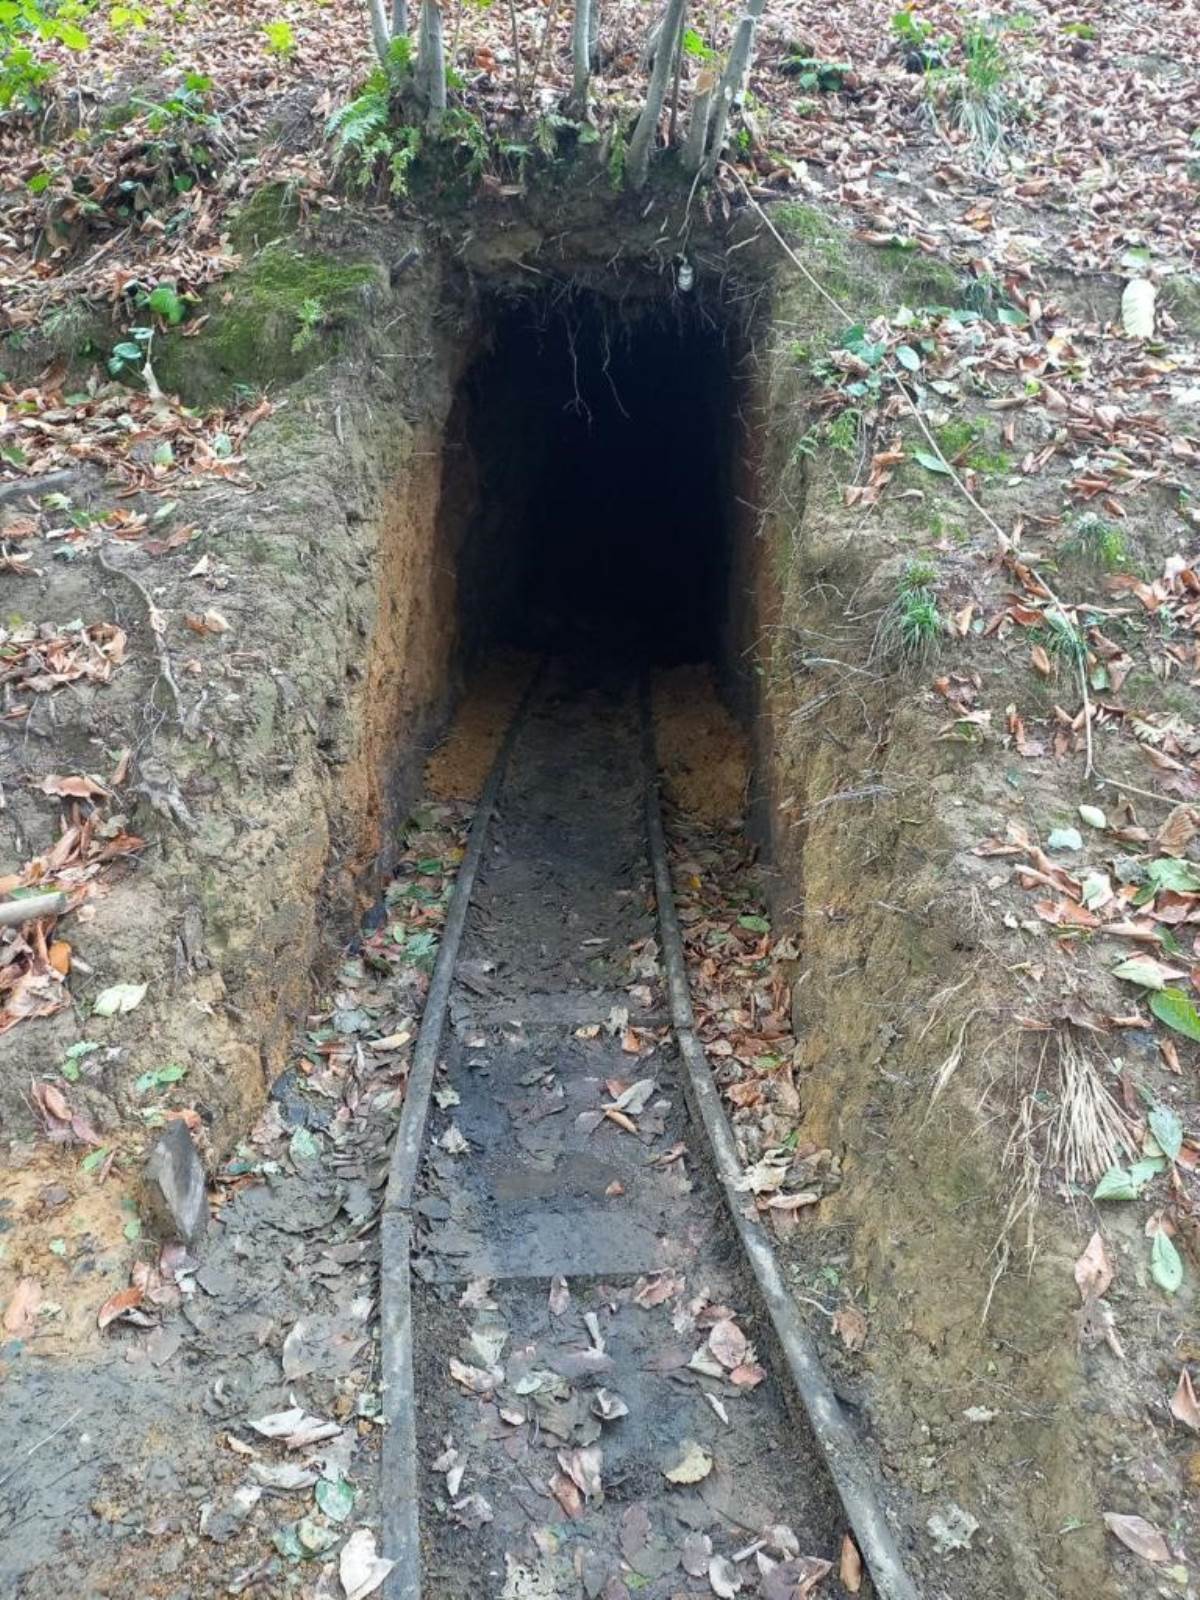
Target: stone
(175, 1189)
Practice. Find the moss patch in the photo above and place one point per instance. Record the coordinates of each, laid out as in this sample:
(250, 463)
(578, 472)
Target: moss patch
(270, 213)
(256, 319)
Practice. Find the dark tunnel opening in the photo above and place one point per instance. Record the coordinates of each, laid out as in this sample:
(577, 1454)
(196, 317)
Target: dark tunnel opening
(601, 439)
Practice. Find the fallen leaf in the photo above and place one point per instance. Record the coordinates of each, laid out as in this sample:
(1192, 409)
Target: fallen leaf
(119, 998)
(1093, 1270)
(850, 1567)
(723, 1578)
(567, 1494)
(360, 1568)
(608, 1406)
(697, 1548)
(693, 1465)
(850, 1326)
(78, 787)
(1138, 1535)
(560, 1296)
(20, 1315)
(583, 1467)
(475, 1378)
(728, 1343)
(118, 1304)
(1178, 830)
(1183, 1403)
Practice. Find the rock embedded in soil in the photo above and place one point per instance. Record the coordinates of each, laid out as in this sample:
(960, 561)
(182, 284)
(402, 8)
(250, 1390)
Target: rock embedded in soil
(175, 1190)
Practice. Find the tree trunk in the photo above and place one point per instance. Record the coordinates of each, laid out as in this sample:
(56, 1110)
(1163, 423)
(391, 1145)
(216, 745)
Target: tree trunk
(380, 35)
(697, 135)
(594, 35)
(431, 60)
(640, 146)
(399, 18)
(731, 82)
(581, 55)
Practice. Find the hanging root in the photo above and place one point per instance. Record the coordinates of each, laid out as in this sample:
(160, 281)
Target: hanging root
(1091, 1132)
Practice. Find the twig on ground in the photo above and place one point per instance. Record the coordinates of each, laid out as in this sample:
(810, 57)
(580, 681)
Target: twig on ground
(14, 912)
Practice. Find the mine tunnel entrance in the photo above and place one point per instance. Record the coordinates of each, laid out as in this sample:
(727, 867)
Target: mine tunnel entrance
(602, 441)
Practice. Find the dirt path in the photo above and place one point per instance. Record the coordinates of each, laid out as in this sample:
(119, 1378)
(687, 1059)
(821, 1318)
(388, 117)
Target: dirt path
(593, 1416)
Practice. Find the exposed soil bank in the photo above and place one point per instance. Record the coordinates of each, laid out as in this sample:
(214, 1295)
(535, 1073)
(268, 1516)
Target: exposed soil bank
(379, 534)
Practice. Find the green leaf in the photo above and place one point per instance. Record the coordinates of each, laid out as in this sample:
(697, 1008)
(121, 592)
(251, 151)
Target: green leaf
(1167, 1130)
(171, 1073)
(931, 463)
(58, 1247)
(908, 357)
(1182, 876)
(1174, 1008)
(127, 351)
(303, 1147)
(694, 45)
(74, 38)
(92, 1160)
(1065, 839)
(119, 998)
(755, 924)
(336, 1498)
(166, 301)
(1116, 1184)
(1165, 1266)
(1011, 317)
(40, 182)
(1140, 969)
(132, 1230)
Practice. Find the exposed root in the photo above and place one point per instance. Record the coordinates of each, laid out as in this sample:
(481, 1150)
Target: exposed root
(1091, 1132)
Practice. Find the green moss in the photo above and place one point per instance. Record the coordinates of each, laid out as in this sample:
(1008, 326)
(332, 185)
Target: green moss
(254, 317)
(922, 279)
(270, 213)
(957, 436)
(1181, 297)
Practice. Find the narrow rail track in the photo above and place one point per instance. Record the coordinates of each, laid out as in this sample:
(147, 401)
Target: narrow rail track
(595, 1381)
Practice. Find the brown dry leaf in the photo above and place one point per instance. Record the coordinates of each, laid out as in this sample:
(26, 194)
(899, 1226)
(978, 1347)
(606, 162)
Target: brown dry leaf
(560, 1296)
(653, 1291)
(850, 1567)
(118, 1304)
(1093, 1270)
(52, 1101)
(1184, 1407)
(796, 1579)
(850, 1326)
(59, 957)
(20, 1315)
(206, 622)
(728, 1343)
(1138, 1535)
(473, 1378)
(583, 1467)
(621, 1120)
(567, 1495)
(1041, 661)
(1178, 830)
(748, 1376)
(77, 787)
(615, 1189)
